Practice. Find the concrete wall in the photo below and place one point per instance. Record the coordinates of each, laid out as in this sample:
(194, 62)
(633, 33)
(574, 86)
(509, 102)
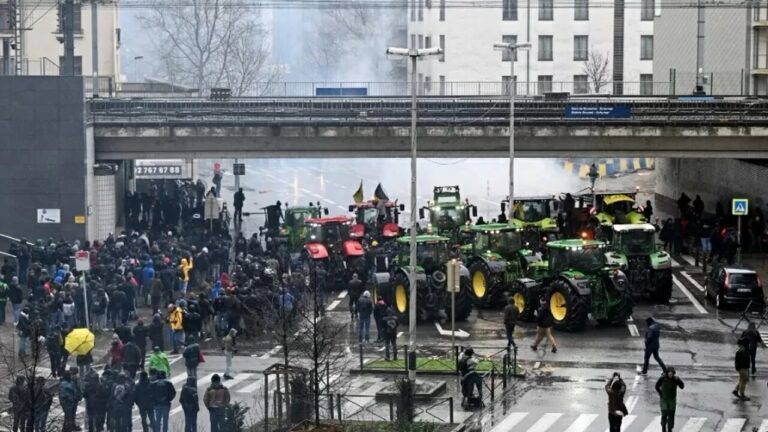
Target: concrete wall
(42, 155)
(713, 179)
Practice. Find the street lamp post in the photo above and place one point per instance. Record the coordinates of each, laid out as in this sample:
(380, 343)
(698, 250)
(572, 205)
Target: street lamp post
(512, 49)
(414, 55)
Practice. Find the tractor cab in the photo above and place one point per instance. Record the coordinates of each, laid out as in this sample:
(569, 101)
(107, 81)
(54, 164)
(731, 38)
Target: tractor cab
(648, 269)
(366, 220)
(537, 218)
(503, 239)
(295, 228)
(447, 213)
(636, 239)
(584, 256)
(329, 244)
(431, 252)
(596, 213)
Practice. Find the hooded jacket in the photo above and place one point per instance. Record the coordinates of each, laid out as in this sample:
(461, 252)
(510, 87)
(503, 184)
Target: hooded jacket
(176, 319)
(217, 396)
(188, 399)
(185, 267)
(229, 341)
(159, 361)
(365, 305)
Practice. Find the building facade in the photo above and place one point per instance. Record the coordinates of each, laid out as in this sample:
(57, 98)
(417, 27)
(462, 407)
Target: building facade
(565, 44)
(40, 51)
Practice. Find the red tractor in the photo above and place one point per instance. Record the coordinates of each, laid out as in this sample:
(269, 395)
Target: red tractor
(329, 246)
(366, 221)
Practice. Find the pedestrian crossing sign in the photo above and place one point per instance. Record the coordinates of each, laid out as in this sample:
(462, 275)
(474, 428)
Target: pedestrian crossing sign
(740, 206)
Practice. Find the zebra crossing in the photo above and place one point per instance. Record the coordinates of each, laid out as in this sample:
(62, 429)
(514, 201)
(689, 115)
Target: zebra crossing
(523, 421)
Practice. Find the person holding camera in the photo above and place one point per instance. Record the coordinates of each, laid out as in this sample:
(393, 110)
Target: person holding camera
(616, 389)
(667, 387)
(229, 352)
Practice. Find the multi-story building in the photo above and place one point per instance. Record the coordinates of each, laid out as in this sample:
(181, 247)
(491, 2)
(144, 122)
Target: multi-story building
(564, 43)
(39, 50)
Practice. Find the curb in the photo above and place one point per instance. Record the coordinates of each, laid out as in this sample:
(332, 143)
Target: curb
(382, 371)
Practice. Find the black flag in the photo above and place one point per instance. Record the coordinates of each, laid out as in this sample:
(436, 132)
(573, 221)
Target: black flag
(379, 194)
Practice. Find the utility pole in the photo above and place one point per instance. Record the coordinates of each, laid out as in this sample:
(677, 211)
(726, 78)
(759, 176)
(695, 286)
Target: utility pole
(700, 21)
(15, 20)
(68, 29)
(95, 47)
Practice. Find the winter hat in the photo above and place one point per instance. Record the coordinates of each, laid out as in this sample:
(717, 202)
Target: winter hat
(205, 250)
(367, 294)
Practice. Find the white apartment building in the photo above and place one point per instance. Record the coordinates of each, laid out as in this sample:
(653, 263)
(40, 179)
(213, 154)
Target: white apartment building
(41, 52)
(561, 39)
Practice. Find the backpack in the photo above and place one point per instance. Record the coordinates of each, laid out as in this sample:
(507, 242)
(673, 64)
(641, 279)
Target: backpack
(464, 365)
(391, 324)
(119, 392)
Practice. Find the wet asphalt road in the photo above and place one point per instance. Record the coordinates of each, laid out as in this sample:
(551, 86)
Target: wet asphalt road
(563, 391)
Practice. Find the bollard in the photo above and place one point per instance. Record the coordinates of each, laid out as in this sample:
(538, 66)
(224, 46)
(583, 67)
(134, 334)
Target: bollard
(361, 355)
(391, 411)
(338, 406)
(405, 356)
(450, 408)
(328, 388)
(514, 364)
(505, 370)
(456, 358)
(493, 383)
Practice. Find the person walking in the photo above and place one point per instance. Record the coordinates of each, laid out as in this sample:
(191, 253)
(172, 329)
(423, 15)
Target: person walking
(185, 266)
(544, 322)
(43, 399)
(652, 334)
(239, 200)
(16, 296)
(140, 336)
(216, 400)
(754, 340)
(176, 320)
(143, 401)
(667, 387)
(83, 362)
(53, 344)
(379, 314)
(390, 334)
(69, 398)
(163, 394)
(192, 357)
(4, 294)
(122, 402)
(116, 353)
(511, 314)
(159, 361)
(190, 404)
(24, 328)
(365, 310)
(616, 389)
(741, 362)
(156, 332)
(354, 290)
(229, 352)
(17, 396)
(132, 358)
(96, 397)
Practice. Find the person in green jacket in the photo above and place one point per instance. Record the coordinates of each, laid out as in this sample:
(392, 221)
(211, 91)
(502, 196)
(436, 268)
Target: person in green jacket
(159, 362)
(667, 386)
(3, 300)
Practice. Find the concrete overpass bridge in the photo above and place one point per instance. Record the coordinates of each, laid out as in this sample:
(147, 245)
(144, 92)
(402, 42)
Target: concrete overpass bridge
(448, 127)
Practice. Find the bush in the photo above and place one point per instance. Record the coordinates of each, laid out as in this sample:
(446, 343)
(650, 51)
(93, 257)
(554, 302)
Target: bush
(406, 401)
(234, 417)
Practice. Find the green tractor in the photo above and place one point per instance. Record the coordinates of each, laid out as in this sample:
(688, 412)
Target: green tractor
(580, 284)
(496, 259)
(648, 269)
(537, 218)
(614, 209)
(448, 214)
(293, 232)
(433, 299)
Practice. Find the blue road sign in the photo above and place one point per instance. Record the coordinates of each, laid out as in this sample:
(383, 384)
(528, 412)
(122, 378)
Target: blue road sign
(740, 206)
(598, 111)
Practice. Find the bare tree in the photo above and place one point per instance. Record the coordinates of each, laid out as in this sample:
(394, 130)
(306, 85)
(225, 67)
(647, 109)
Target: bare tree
(211, 43)
(596, 69)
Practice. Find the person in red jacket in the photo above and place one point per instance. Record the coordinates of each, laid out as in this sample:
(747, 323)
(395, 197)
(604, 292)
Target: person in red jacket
(116, 353)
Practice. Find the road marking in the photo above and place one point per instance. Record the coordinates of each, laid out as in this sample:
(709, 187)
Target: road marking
(537, 365)
(271, 352)
(459, 333)
(206, 380)
(692, 280)
(689, 259)
(545, 422)
(627, 422)
(342, 208)
(329, 201)
(733, 425)
(251, 387)
(175, 411)
(674, 262)
(342, 294)
(633, 330)
(694, 424)
(178, 378)
(631, 403)
(333, 305)
(175, 359)
(509, 422)
(399, 334)
(763, 426)
(631, 319)
(237, 379)
(637, 378)
(582, 423)
(690, 296)
(654, 426)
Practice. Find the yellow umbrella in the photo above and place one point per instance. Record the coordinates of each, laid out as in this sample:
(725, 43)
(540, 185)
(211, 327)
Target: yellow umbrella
(79, 341)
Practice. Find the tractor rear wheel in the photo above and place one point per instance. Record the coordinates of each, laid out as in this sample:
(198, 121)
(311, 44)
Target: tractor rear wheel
(663, 291)
(463, 301)
(569, 309)
(400, 296)
(526, 300)
(480, 283)
(621, 311)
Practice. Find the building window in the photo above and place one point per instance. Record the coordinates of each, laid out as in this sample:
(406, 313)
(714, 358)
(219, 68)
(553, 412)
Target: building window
(580, 84)
(428, 84)
(545, 84)
(581, 10)
(545, 48)
(442, 10)
(646, 47)
(646, 84)
(413, 41)
(78, 18)
(647, 8)
(442, 47)
(580, 47)
(421, 41)
(509, 10)
(420, 84)
(413, 9)
(78, 64)
(421, 10)
(442, 85)
(545, 10)
(428, 42)
(505, 83)
(428, 3)
(510, 39)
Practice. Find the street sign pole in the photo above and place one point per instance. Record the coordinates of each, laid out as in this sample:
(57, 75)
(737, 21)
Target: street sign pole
(739, 208)
(738, 241)
(85, 301)
(83, 264)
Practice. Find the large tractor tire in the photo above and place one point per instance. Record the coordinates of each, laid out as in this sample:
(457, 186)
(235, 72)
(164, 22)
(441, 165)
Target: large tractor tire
(400, 297)
(570, 310)
(480, 281)
(621, 311)
(463, 301)
(526, 299)
(663, 291)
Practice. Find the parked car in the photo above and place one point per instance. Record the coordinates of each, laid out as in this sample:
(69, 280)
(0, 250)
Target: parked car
(734, 285)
